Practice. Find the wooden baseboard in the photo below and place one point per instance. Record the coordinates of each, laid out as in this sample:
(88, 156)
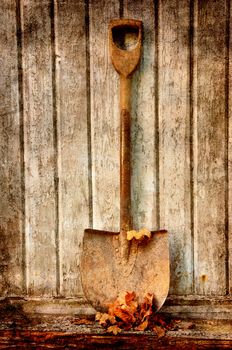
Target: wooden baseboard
(198, 307)
(202, 307)
(49, 306)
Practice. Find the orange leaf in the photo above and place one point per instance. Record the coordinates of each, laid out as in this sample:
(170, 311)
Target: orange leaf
(114, 329)
(124, 314)
(129, 297)
(105, 318)
(98, 316)
(146, 306)
(160, 332)
(148, 299)
(187, 325)
(121, 300)
(82, 321)
(142, 326)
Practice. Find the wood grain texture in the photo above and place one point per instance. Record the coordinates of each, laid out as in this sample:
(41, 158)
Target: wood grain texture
(40, 205)
(229, 96)
(174, 137)
(74, 203)
(73, 332)
(144, 157)
(11, 271)
(210, 147)
(104, 84)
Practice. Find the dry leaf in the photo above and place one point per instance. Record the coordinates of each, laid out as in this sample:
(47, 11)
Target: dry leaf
(160, 321)
(187, 325)
(82, 321)
(129, 297)
(148, 299)
(138, 235)
(145, 232)
(124, 307)
(104, 318)
(114, 329)
(177, 321)
(160, 332)
(125, 298)
(146, 306)
(98, 316)
(131, 302)
(124, 314)
(130, 235)
(142, 326)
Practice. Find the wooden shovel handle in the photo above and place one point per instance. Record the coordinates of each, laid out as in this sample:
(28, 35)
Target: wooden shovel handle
(125, 62)
(125, 144)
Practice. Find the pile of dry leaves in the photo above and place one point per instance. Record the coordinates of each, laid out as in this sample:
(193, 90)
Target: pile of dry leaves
(127, 314)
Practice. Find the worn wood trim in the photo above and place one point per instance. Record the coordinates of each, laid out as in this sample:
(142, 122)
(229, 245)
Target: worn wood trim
(201, 307)
(48, 306)
(74, 205)
(12, 281)
(174, 137)
(39, 142)
(210, 148)
(178, 306)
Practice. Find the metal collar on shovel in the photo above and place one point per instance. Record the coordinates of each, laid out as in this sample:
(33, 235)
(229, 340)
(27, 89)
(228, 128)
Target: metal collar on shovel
(111, 264)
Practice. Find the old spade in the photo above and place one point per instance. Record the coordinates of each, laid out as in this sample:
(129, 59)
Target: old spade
(111, 264)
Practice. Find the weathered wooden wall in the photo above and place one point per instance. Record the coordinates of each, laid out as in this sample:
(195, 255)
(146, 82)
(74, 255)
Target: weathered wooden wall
(59, 136)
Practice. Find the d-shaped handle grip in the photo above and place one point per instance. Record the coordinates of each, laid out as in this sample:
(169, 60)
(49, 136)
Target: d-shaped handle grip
(125, 41)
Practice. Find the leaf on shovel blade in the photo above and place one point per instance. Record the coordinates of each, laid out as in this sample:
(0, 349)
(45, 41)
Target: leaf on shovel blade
(114, 329)
(145, 232)
(131, 234)
(138, 235)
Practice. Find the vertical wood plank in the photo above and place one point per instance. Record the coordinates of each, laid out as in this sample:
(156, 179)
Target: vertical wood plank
(229, 96)
(210, 147)
(144, 157)
(40, 204)
(104, 118)
(74, 204)
(174, 136)
(11, 242)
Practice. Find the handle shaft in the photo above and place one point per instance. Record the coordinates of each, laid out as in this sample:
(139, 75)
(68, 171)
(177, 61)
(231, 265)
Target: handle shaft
(125, 142)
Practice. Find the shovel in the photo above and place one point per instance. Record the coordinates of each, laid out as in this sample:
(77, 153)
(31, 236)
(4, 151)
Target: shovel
(110, 264)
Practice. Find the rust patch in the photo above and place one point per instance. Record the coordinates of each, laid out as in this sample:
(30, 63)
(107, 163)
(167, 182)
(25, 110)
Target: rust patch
(204, 278)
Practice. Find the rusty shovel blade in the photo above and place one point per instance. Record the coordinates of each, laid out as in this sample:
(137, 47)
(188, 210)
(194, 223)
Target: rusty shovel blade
(104, 275)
